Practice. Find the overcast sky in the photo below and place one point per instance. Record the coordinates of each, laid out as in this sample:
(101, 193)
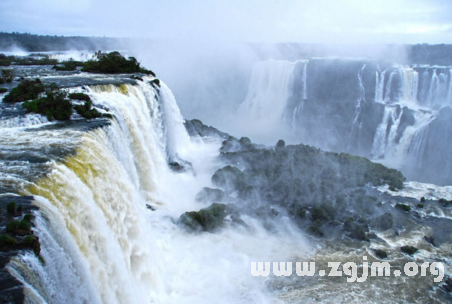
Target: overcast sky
(330, 21)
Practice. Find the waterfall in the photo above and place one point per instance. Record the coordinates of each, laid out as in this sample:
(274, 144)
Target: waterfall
(304, 80)
(269, 91)
(385, 135)
(409, 85)
(449, 92)
(99, 242)
(362, 96)
(379, 86)
(388, 91)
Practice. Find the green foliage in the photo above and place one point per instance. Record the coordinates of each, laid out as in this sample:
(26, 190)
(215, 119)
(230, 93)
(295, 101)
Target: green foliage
(6, 240)
(136, 78)
(11, 207)
(113, 63)
(29, 239)
(381, 253)
(155, 81)
(7, 75)
(70, 65)
(420, 205)
(409, 250)
(26, 90)
(403, 207)
(55, 105)
(28, 216)
(20, 208)
(445, 202)
(318, 213)
(86, 110)
(12, 226)
(207, 219)
(313, 230)
(79, 96)
(25, 225)
(423, 199)
(3, 90)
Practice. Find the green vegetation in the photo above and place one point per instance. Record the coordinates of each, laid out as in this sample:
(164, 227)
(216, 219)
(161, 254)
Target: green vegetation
(207, 219)
(445, 202)
(24, 225)
(423, 199)
(381, 253)
(112, 63)
(28, 217)
(11, 207)
(136, 78)
(12, 226)
(420, 205)
(26, 90)
(28, 60)
(403, 207)
(79, 96)
(6, 240)
(3, 90)
(41, 43)
(70, 65)
(7, 76)
(29, 239)
(54, 105)
(313, 230)
(86, 111)
(409, 250)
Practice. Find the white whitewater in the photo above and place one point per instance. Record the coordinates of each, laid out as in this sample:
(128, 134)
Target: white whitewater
(269, 91)
(362, 98)
(102, 245)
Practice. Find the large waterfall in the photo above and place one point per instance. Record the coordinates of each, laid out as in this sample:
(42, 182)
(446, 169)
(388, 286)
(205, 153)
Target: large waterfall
(375, 109)
(100, 240)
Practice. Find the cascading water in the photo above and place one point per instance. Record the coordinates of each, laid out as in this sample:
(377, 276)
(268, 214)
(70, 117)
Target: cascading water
(101, 244)
(269, 91)
(356, 125)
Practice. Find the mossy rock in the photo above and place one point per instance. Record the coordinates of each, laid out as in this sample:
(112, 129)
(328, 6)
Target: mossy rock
(403, 207)
(409, 250)
(228, 178)
(356, 231)
(380, 253)
(211, 195)
(208, 219)
(313, 230)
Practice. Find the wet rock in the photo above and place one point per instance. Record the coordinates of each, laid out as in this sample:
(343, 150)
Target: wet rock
(409, 250)
(430, 240)
(380, 253)
(212, 195)
(208, 219)
(313, 230)
(403, 207)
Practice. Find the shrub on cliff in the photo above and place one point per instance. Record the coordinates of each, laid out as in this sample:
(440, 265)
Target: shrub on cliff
(112, 63)
(26, 90)
(54, 105)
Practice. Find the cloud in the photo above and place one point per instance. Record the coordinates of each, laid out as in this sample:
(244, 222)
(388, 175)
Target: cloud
(345, 21)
